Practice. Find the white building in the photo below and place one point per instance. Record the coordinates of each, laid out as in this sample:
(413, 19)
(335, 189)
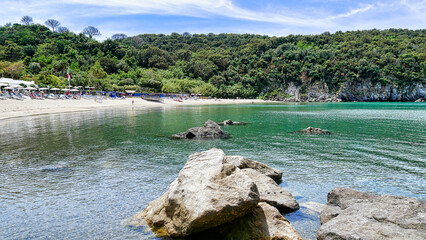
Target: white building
(14, 83)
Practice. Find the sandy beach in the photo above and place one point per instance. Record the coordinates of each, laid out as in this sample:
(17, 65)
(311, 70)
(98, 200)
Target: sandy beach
(11, 108)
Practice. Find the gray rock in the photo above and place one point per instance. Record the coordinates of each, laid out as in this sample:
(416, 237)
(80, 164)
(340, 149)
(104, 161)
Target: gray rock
(312, 130)
(350, 214)
(271, 193)
(265, 222)
(210, 130)
(242, 163)
(208, 192)
(230, 122)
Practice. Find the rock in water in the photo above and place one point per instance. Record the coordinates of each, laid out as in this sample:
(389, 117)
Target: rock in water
(350, 214)
(312, 130)
(270, 192)
(265, 222)
(208, 192)
(242, 162)
(210, 130)
(228, 122)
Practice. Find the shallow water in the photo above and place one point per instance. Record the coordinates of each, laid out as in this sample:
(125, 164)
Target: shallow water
(80, 175)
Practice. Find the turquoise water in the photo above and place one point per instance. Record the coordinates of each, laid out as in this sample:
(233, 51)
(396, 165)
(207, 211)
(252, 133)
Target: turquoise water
(80, 175)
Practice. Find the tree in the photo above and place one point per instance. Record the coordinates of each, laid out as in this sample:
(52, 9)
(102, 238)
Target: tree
(10, 51)
(26, 20)
(62, 30)
(14, 70)
(34, 67)
(91, 31)
(119, 36)
(52, 23)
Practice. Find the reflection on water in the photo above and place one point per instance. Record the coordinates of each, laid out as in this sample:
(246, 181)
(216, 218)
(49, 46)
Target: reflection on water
(79, 175)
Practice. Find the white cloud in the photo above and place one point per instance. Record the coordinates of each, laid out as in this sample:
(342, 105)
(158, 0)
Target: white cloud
(353, 12)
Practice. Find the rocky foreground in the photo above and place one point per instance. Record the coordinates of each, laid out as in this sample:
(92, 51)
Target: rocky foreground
(216, 196)
(350, 214)
(233, 195)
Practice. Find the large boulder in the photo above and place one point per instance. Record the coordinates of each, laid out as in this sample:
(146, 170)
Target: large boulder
(210, 130)
(242, 163)
(265, 222)
(350, 214)
(270, 192)
(208, 192)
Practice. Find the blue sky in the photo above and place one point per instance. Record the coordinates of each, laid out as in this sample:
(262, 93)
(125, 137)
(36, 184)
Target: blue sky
(268, 17)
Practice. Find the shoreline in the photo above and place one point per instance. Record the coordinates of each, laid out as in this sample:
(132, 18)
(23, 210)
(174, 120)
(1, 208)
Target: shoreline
(29, 107)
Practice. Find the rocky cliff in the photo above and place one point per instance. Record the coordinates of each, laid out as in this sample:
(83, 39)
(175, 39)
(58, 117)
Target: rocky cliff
(354, 91)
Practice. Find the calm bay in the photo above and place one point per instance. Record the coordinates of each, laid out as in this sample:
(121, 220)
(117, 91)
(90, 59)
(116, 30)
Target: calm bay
(80, 175)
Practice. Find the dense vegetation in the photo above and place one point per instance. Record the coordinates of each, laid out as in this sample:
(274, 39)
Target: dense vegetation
(225, 65)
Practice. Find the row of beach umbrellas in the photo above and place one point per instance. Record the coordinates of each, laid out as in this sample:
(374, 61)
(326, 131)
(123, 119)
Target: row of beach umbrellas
(75, 89)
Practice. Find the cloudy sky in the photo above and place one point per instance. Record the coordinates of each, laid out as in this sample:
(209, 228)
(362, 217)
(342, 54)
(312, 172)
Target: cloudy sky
(269, 17)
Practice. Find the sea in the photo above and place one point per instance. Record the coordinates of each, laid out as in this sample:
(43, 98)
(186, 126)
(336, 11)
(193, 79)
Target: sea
(80, 175)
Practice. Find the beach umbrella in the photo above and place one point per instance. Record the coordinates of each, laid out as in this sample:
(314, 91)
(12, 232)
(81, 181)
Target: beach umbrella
(3, 84)
(8, 88)
(73, 90)
(55, 89)
(43, 88)
(64, 89)
(30, 88)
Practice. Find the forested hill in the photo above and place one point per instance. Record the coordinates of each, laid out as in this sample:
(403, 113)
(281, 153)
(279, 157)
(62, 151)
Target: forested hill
(222, 65)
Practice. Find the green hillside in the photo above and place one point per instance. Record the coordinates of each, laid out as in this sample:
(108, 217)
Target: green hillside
(221, 65)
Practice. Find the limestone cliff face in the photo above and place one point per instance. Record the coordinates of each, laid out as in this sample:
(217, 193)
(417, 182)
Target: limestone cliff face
(317, 91)
(355, 91)
(367, 91)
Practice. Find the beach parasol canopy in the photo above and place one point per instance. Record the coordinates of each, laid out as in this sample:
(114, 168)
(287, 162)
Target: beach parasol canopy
(3, 84)
(65, 89)
(30, 88)
(73, 90)
(8, 88)
(43, 88)
(55, 89)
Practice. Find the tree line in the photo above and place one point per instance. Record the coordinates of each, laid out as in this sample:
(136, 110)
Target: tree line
(221, 65)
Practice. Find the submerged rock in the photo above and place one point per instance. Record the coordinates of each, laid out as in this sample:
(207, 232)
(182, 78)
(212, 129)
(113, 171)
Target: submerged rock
(208, 192)
(54, 168)
(210, 130)
(212, 196)
(350, 214)
(312, 130)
